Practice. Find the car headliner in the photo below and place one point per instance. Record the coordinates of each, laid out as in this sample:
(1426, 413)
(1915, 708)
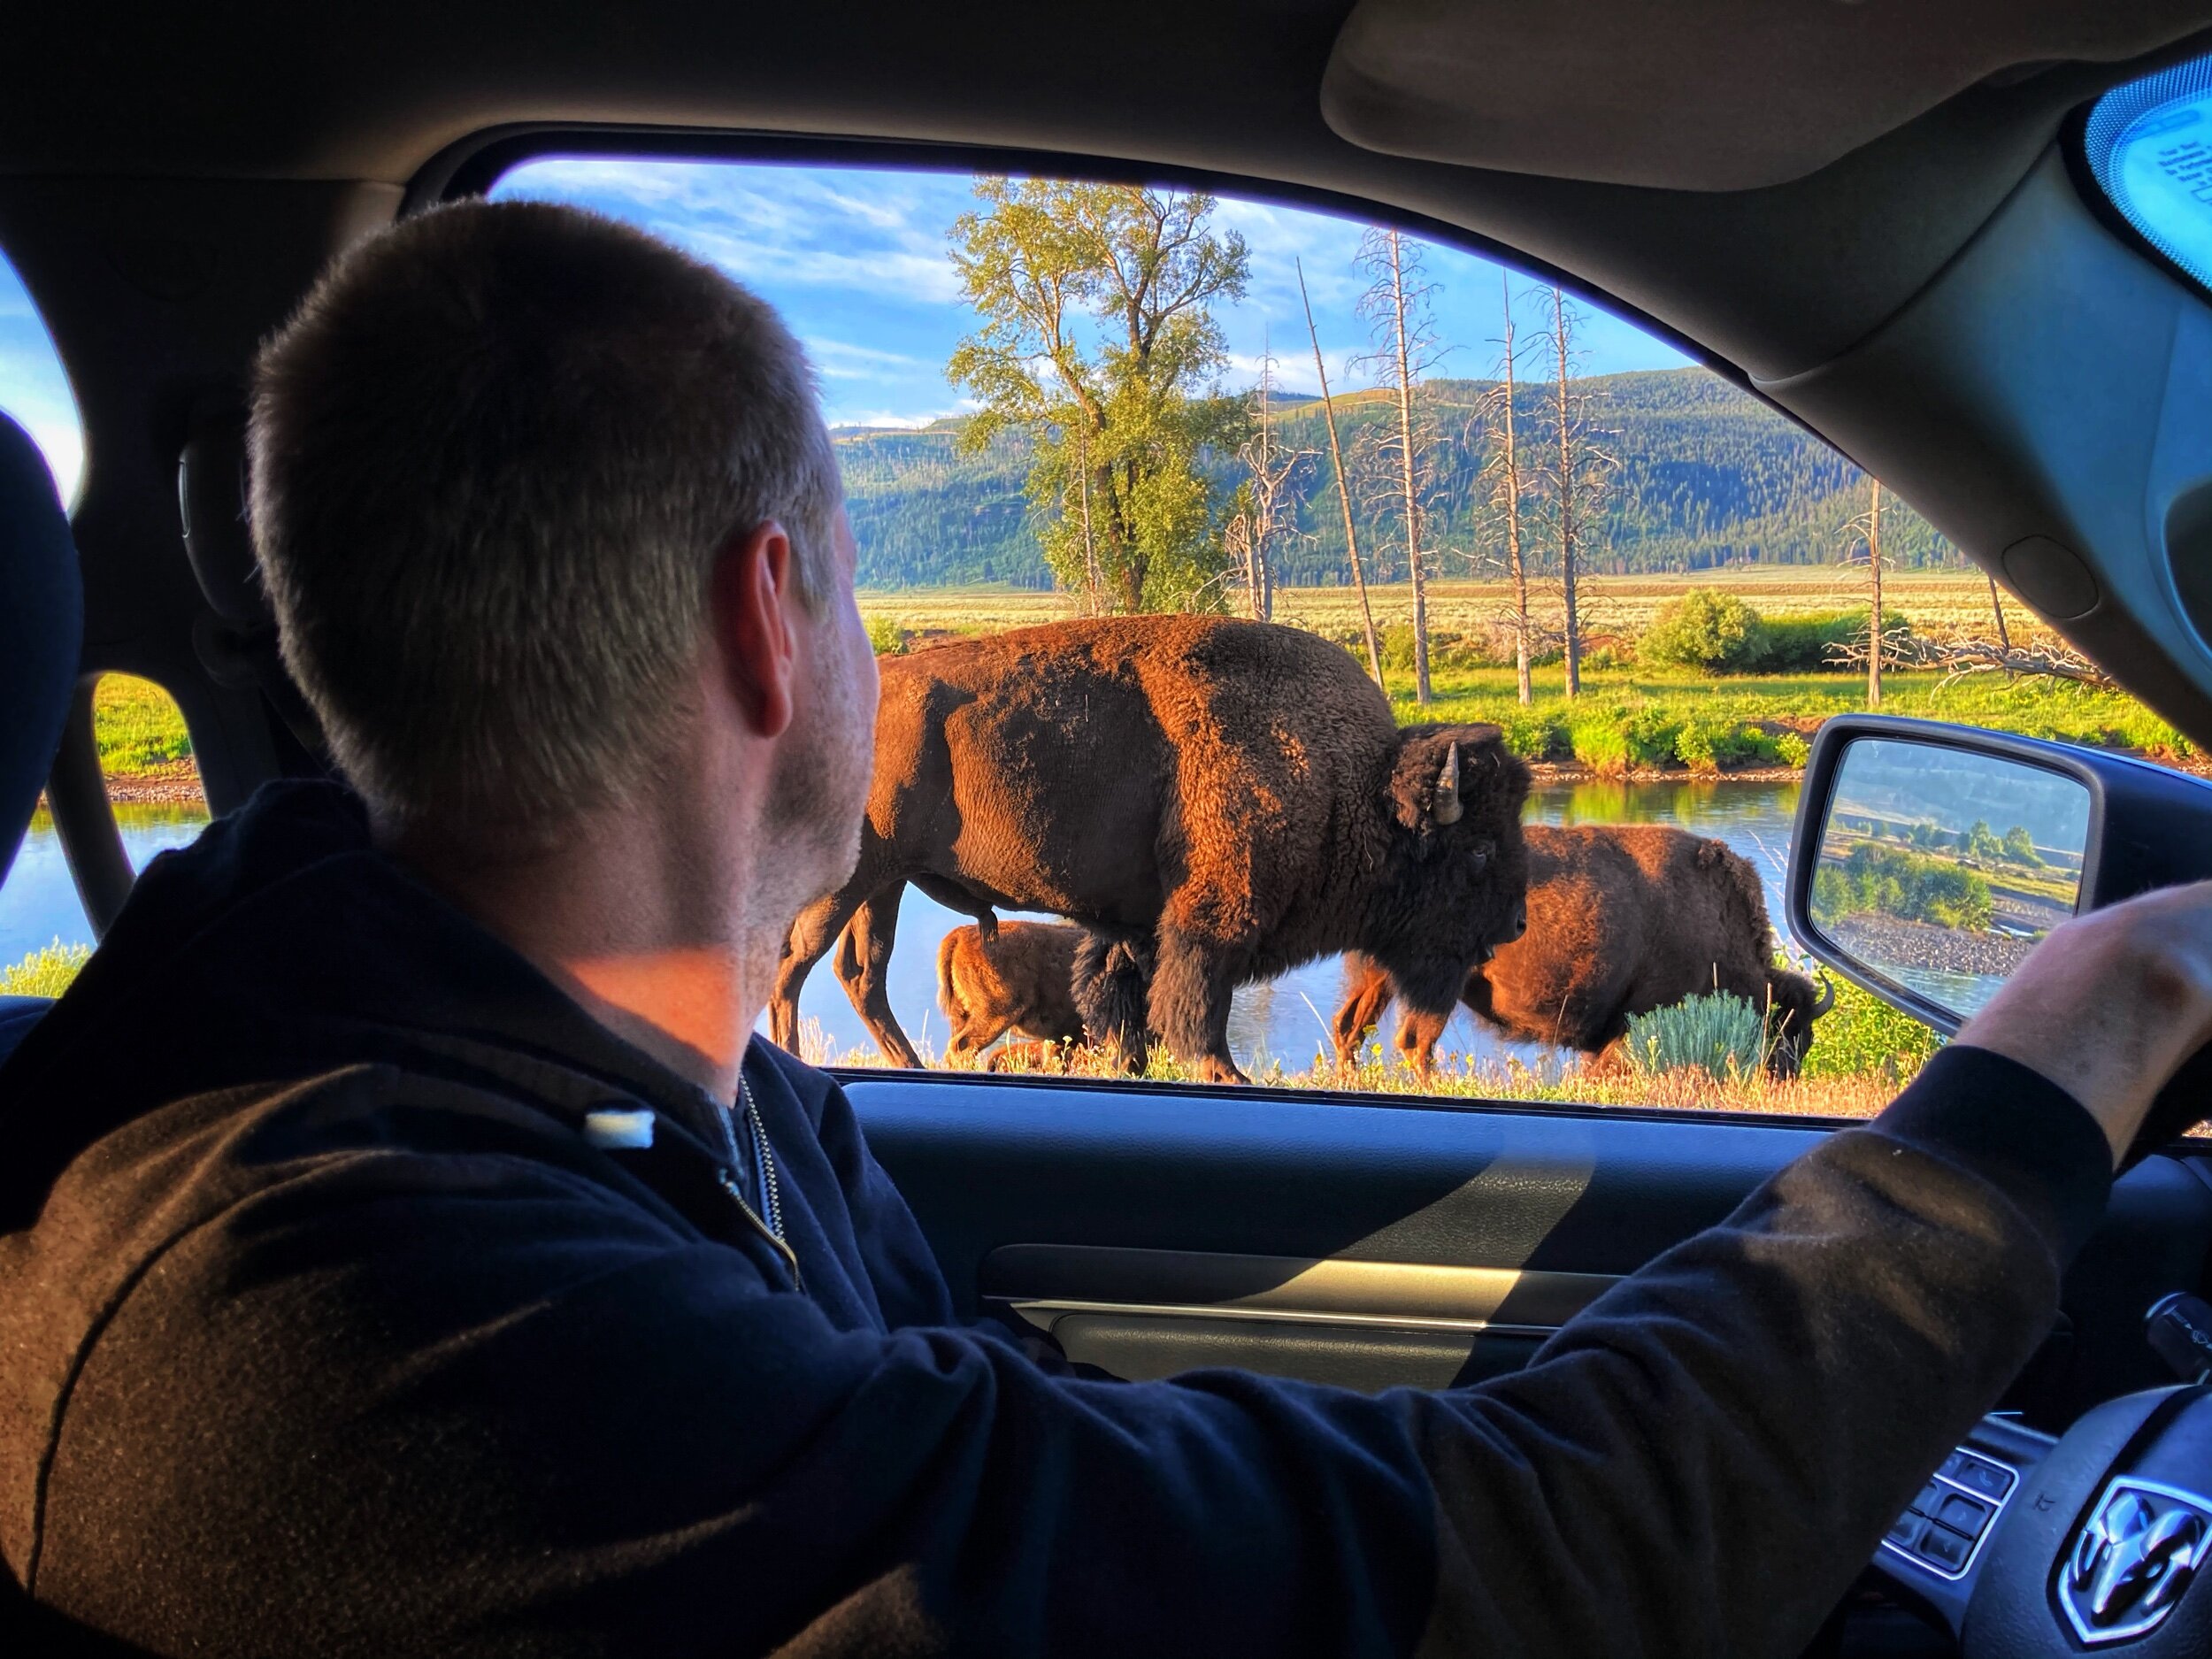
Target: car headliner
(170, 180)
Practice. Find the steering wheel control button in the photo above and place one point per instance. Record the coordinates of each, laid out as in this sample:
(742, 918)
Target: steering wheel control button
(1945, 1548)
(2133, 1560)
(1977, 1474)
(1962, 1514)
(1943, 1527)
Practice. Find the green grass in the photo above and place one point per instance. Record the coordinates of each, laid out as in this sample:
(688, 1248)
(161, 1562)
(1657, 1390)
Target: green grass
(1727, 722)
(138, 727)
(1863, 1037)
(44, 973)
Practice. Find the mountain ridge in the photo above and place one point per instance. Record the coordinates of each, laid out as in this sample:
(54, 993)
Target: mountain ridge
(1707, 475)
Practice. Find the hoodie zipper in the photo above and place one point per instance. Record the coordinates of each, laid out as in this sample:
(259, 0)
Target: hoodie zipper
(771, 1229)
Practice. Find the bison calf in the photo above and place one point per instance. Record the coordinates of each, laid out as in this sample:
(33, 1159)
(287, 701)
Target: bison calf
(1022, 980)
(1226, 799)
(1621, 919)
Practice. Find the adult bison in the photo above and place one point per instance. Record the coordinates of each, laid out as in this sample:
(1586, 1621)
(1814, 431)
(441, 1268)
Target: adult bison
(1229, 799)
(1621, 919)
(1020, 977)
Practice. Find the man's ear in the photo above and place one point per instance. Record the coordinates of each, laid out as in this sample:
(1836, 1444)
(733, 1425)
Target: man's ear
(748, 600)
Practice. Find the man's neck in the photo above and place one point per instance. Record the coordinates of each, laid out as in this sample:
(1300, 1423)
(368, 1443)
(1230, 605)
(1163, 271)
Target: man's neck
(636, 919)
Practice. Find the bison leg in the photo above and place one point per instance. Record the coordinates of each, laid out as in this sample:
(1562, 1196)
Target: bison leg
(863, 968)
(1367, 995)
(812, 936)
(1419, 1033)
(1111, 988)
(1190, 1005)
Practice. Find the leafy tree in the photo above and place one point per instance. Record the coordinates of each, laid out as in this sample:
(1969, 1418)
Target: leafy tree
(1715, 632)
(1982, 842)
(2020, 847)
(1097, 341)
(1909, 885)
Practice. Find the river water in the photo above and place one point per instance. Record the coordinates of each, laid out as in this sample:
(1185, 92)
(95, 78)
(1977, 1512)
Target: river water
(1286, 1021)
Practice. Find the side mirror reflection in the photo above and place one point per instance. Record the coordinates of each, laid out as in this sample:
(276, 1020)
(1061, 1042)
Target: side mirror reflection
(1940, 868)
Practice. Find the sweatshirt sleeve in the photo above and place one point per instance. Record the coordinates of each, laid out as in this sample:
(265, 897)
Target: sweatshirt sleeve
(503, 1415)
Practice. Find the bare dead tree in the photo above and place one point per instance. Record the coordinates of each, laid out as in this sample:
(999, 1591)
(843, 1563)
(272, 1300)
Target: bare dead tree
(1880, 643)
(1581, 471)
(1959, 658)
(1997, 611)
(1343, 488)
(1396, 306)
(1875, 620)
(1093, 578)
(1503, 469)
(1864, 535)
(1249, 536)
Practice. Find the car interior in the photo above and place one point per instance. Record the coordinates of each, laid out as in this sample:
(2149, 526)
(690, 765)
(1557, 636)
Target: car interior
(1880, 219)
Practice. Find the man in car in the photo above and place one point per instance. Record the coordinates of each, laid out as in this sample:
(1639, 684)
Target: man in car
(411, 1251)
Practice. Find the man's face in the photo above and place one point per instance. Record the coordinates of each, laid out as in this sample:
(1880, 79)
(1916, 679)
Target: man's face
(827, 758)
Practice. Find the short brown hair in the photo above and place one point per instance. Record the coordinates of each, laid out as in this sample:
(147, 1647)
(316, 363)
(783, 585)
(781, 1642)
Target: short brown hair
(494, 455)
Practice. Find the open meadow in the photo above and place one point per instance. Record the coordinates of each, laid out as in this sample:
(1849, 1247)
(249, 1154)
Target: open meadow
(1631, 717)
(1633, 720)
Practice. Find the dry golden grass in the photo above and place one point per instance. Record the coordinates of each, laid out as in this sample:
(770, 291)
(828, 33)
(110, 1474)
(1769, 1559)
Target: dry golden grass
(1938, 603)
(1587, 1083)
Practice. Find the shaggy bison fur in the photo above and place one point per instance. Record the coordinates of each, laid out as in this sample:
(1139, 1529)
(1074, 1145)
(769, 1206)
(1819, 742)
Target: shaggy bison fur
(1020, 979)
(1226, 799)
(1621, 919)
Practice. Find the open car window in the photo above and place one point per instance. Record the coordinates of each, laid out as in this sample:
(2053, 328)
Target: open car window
(1503, 502)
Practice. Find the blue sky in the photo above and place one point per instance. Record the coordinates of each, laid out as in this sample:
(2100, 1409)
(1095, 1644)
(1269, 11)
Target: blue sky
(33, 387)
(856, 261)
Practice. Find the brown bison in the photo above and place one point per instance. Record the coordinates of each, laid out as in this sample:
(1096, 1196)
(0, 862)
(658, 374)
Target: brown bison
(1022, 978)
(1225, 799)
(1621, 919)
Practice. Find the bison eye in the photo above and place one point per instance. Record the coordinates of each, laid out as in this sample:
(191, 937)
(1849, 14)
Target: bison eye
(1483, 853)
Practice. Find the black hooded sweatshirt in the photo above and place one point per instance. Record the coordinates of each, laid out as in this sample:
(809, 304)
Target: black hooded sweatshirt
(330, 1324)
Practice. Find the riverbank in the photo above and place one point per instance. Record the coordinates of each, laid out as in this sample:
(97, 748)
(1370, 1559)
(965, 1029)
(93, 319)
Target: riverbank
(176, 784)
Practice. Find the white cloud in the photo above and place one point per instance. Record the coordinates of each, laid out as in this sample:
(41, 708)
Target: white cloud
(841, 360)
(899, 419)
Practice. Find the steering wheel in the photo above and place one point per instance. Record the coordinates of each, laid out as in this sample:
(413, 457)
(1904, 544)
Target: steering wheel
(2025, 1546)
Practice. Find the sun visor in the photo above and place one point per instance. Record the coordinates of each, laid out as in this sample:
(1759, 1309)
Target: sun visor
(1728, 95)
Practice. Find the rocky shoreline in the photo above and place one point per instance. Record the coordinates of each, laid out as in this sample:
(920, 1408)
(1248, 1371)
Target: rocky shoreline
(1887, 939)
(177, 784)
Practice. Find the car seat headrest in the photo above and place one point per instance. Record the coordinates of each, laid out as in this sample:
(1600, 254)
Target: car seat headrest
(237, 643)
(42, 630)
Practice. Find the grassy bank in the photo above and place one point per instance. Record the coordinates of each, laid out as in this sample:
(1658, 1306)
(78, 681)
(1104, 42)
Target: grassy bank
(1631, 717)
(1864, 1052)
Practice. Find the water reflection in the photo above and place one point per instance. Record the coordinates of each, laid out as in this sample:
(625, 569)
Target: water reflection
(39, 902)
(1286, 1020)
(1289, 1019)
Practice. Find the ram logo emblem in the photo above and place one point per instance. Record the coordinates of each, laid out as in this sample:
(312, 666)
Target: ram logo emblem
(2133, 1560)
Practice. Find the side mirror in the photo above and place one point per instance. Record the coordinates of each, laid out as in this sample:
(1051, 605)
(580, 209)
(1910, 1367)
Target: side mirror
(1928, 859)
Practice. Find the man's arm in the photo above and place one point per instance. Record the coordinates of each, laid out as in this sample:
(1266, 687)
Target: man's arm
(386, 1408)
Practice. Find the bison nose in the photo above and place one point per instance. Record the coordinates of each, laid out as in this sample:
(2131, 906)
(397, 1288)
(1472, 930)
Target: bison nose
(1520, 922)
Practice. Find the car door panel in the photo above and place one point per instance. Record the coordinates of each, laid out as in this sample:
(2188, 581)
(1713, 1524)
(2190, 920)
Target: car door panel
(1370, 1244)
(1363, 1324)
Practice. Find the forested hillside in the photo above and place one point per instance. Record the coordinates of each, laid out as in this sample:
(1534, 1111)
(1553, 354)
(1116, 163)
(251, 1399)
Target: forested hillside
(1707, 475)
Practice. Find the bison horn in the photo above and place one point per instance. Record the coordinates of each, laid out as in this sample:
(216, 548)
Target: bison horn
(1826, 1000)
(1448, 809)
